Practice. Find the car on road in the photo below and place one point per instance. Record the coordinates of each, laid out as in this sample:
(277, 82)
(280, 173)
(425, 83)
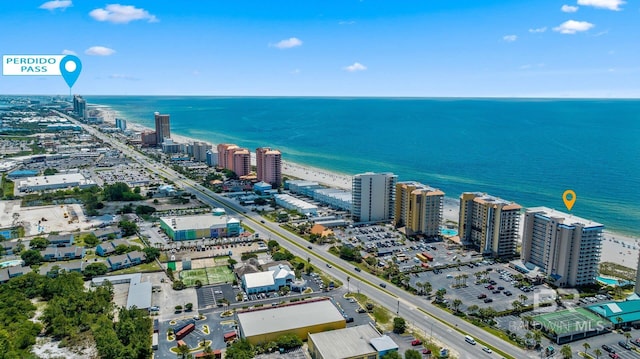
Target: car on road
(416, 342)
(383, 285)
(328, 265)
(309, 247)
(487, 350)
(262, 221)
(624, 344)
(357, 269)
(607, 348)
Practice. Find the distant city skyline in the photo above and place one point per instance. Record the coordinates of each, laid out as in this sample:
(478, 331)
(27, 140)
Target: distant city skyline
(493, 48)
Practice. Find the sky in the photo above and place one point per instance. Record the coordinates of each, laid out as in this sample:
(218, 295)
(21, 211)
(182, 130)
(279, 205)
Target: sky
(404, 48)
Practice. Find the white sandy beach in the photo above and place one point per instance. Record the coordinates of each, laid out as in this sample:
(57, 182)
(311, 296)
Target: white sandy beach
(620, 252)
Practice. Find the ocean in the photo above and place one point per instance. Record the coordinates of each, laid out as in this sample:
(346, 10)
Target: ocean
(525, 150)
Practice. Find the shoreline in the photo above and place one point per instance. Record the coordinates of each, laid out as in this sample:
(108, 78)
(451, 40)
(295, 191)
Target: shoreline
(611, 252)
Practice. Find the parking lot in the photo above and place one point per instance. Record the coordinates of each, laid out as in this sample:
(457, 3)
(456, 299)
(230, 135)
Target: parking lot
(611, 340)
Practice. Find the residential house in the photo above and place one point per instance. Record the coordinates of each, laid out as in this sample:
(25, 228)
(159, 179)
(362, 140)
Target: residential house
(60, 240)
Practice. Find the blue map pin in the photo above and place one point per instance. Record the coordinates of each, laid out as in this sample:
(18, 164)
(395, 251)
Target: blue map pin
(70, 67)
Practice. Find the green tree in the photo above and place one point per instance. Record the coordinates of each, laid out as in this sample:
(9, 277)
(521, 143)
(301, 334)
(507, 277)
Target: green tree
(586, 347)
(151, 253)
(565, 351)
(90, 240)
(122, 249)
(289, 341)
(456, 304)
(95, 269)
(188, 307)
(183, 351)
(128, 228)
(38, 243)
(399, 325)
(350, 254)
(391, 355)
(412, 354)
(597, 352)
(273, 245)
(31, 257)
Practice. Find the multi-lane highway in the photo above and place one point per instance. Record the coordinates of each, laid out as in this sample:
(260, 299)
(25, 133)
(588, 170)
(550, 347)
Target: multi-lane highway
(448, 330)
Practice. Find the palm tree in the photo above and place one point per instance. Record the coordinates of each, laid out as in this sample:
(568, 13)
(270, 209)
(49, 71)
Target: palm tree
(619, 320)
(627, 335)
(586, 347)
(565, 351)
(472, 308)
(427, 288)
(516, 305)
(537, 336)
(523, 298)
(597, 352)
(419, 286)
(527, 319)
(183, 350)
(456, 304)
(464, 279)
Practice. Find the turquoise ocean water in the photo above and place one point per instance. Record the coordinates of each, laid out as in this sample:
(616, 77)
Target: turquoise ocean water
(526, 150)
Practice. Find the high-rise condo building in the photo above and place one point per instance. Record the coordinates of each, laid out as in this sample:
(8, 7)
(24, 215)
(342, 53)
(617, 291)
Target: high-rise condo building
(565, 247)
(200, 151)
(80, 106)
(489, 224)
(121, 124)
(225, 155)
(241, 162)
(418, 209)
(163, 127)
(269, 166)
(373, 197)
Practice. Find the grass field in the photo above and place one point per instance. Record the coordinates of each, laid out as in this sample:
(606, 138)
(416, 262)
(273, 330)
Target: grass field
(570, 321)
(209, 275)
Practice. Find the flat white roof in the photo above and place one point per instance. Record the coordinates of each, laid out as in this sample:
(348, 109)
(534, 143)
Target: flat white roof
(295, 201)
(197, 222)
(568, 219)
(259, 279)
(70, 178)
(346, 343)
(277, 319)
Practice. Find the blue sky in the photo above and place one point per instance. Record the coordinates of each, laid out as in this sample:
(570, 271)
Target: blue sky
(530, 48)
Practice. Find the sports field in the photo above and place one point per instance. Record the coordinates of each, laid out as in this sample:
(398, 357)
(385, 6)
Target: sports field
(209, 275)
(571, 321)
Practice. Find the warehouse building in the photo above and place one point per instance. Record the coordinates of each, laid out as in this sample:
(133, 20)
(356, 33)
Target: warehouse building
(359, 342)
(263, 325)
(200, 226)
(44, 183)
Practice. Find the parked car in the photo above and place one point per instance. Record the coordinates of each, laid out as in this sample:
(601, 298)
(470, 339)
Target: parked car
(488, 300)
(507, 293)
(607, 348)
(624, 344)
(614, 356)
(482, 296)
(497, 291)
(416, 342)
(361, 310)
(500, 288)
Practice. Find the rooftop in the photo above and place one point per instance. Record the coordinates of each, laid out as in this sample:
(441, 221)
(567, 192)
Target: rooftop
(628, 310)
(259, 279)
(282, 318)
(564, 218)
(347, 343)
(197, 222)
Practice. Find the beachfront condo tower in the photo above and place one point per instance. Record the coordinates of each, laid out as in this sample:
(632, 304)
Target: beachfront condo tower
(80, 107)
(241, 162)
(418, 209)
(225, 155)
(269, 166)
(565, 247)
(373, 197)
(163, 128)
(489, 224)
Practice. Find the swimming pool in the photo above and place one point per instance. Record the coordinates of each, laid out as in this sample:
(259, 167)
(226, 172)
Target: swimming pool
(613, 282)
(13, 263)
(448, 232)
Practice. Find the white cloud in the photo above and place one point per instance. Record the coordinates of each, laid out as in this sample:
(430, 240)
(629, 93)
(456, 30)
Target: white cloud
(99, 51)
(572, 26)
(68, 52)
(56, 4)
(538, 30)
(288, 43)
(355, 67)
(603, 4)
(569, 8)
(123, 77)
(510, 38)
(121, 14)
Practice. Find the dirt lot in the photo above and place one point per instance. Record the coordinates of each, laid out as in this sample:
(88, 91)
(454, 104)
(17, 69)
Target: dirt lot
(31, 218)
